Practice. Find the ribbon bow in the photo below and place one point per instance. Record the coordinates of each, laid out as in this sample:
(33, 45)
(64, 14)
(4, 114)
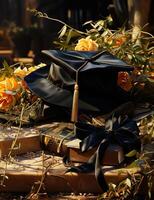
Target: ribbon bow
(122, 132)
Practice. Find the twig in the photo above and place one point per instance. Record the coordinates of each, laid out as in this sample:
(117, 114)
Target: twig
(11, 149)
(45, 16)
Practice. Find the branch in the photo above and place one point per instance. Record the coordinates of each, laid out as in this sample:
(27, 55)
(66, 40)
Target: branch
(45, 16)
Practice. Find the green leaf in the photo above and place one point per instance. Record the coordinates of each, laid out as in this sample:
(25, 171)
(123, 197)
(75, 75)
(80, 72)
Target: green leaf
(2, 75)
(131, 153)
(128, 182)
(135, 164)
(7, 69)
(69, 36)
(63, 31)
(5, 64)
(74, 34)
(112, 186)
(99, 24)
(109, 19)
(130, 57)
(88, 22)
(105, 33)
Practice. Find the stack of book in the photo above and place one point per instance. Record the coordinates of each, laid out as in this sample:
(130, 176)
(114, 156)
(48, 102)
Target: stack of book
(114, 154)
(59, 140)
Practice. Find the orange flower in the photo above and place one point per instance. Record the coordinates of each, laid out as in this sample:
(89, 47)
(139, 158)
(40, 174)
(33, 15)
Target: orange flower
(119, 41)
(151, 75)
(124, 81)
(7, 101)
(12, 84)
(9, 90)
(86, 44)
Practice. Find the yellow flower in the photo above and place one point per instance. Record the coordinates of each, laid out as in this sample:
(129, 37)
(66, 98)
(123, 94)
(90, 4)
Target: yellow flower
(20, 72)
(7, 101)
(2, 86)
(86, 44)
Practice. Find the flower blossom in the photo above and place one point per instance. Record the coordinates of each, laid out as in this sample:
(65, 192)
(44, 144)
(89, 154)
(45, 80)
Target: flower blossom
(7, 101)
(20, 72)
(119, 40)
(124, 81)
(9, 84)
(86, 44)
(9, 88)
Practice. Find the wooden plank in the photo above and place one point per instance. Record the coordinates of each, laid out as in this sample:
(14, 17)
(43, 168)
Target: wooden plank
(24, 60)
(23, 174)
(73, 197)
(28, 140)
(45, 196)
(6, 52)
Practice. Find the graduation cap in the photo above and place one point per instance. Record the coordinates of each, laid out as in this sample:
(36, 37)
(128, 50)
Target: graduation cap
(80, 80)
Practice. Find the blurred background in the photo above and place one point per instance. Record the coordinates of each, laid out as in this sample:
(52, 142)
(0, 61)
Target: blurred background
(23, 36)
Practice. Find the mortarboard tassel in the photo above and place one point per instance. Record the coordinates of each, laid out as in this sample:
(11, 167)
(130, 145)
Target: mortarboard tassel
(74, 116)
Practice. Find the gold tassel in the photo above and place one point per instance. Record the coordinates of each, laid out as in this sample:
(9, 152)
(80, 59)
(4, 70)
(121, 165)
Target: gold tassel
(74, 116)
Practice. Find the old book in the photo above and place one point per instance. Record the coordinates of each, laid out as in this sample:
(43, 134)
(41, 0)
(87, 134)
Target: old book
(114, 154)
(55, 135)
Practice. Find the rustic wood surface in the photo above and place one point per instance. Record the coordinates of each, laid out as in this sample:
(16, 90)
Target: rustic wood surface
(25, 171)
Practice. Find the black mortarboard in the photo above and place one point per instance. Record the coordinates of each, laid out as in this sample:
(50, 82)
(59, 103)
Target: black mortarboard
(95, 73)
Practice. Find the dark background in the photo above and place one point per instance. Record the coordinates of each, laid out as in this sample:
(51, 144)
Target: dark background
(74, 13)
